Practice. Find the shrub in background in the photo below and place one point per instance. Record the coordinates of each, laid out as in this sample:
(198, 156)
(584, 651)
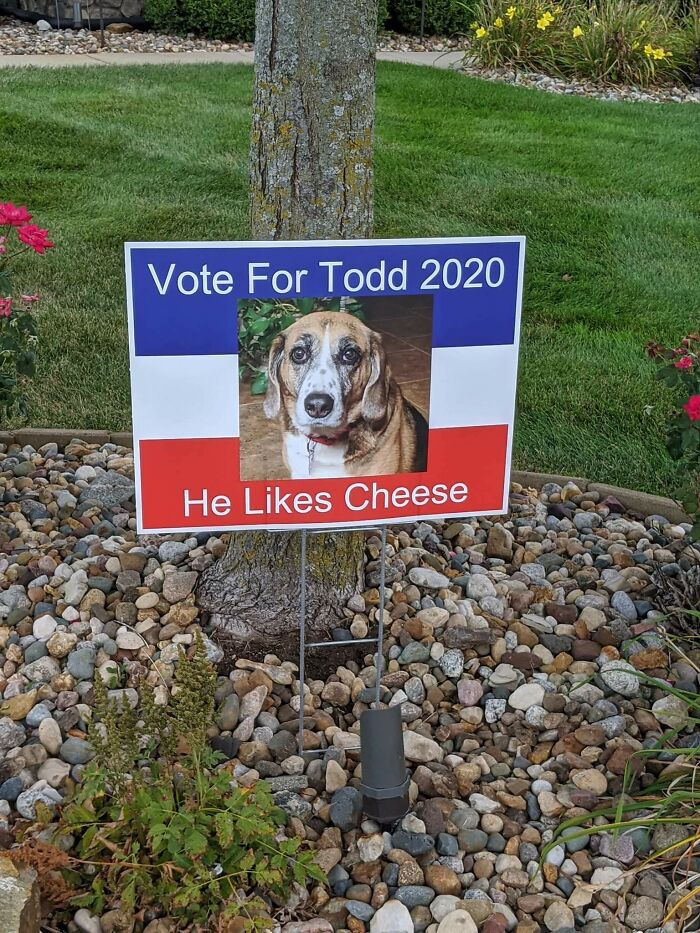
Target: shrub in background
(607, 41)
(228, 20)
(442, 17)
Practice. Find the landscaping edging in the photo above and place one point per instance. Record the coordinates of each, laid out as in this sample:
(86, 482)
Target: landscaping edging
(633, 500)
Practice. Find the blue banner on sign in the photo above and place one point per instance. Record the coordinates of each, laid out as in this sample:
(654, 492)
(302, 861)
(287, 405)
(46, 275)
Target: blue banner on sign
(183, 297)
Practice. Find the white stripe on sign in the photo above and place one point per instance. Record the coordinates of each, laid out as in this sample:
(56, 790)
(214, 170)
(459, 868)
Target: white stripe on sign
(184, 396)
(472, 386)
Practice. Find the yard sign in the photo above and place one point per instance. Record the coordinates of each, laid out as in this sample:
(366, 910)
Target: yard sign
(322, 384)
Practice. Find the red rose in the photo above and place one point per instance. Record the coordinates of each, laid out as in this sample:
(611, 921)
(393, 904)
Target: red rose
(13, 216)
(692, 408)
(35, 238)
(685, 362)
(5, 307)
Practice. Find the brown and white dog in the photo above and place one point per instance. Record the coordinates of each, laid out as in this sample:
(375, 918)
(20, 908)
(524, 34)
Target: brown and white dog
(340, 409)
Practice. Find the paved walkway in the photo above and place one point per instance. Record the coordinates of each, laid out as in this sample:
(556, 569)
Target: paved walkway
(435, 59)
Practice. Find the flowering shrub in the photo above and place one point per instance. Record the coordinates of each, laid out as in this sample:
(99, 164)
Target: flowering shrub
(609, 41)
(17, 328)
(679, 368)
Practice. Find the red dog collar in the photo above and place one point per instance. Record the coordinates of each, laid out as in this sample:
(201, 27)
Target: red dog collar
(325, 441)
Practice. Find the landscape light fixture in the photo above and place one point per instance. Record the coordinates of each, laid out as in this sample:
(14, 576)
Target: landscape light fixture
(385, 778)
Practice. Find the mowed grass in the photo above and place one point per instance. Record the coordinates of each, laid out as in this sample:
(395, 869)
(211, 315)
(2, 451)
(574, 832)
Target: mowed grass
(607, 194)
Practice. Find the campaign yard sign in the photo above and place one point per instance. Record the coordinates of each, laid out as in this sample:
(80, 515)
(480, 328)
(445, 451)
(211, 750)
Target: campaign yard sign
(322, 384)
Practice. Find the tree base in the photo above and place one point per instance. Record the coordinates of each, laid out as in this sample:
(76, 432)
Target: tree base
(253, 592)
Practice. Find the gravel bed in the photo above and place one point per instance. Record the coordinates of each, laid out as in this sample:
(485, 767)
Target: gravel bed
(680, 95)
(24, 38)
(511, 648)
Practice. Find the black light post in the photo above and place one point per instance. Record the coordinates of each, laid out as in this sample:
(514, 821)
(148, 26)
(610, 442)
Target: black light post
(385, 779)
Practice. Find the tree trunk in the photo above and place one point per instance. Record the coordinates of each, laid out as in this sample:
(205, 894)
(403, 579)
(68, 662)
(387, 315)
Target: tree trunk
(311, 178)
(313, 119)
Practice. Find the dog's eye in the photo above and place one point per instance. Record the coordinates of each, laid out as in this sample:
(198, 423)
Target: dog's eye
(299, 355)
(350, 356)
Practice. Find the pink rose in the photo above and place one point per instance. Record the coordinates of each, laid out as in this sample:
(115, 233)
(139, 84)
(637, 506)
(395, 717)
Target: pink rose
(14, 216)
(685, 362)
(30, 298)
(35, 238)
(692, 408)
(5, 307)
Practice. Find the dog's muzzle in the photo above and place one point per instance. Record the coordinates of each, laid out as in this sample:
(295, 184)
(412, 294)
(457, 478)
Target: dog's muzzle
(318, 404)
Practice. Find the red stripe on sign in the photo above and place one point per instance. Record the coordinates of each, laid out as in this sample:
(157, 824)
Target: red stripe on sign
(196, 484)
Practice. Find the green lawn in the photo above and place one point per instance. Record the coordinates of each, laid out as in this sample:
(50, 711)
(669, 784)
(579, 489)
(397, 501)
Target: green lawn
(607, 194)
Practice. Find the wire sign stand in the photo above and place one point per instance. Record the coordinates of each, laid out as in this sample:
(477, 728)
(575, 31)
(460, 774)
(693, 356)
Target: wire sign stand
(303, 646)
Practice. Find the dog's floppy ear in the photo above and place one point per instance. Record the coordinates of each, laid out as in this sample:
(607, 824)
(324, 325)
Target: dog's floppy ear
(271, 406)
(376, 394)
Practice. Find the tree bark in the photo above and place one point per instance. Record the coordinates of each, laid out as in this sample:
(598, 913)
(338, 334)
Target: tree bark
(313, 119)
(311, 178)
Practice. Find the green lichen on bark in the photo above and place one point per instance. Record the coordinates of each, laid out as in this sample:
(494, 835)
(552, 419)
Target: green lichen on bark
(313, 119)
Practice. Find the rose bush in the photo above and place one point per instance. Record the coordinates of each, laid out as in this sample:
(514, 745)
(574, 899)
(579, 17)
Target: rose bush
(18, 337)
(679, 368)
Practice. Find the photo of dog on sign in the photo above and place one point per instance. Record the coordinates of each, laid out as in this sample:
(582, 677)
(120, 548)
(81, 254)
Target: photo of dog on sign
(334, 388)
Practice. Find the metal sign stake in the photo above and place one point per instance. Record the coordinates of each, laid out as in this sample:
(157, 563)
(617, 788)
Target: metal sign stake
(378, 641)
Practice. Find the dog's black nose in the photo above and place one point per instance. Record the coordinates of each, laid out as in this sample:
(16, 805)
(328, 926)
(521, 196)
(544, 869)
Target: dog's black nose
(318, 404)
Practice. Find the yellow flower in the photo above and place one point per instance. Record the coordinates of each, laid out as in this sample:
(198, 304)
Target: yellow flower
(480, 32)
(557, 9)
(545, 20)
(577, 32)
(473, 25)
(498, 23)
(657, 54)
(511, 11)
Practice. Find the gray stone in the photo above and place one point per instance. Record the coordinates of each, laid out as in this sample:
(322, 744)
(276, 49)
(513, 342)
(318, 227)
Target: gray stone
(37, 715)
(622, 603)
(360, 910)
(110, 490)
(414, 653)
(392, 917)
(12, 735)
(41, 792)
(76, 751)
(621, 677)
(173, 552)
(431, 579)
(415, 895)
(42, 670)
(452, 663)
(472, 840)
(346, 808)
(178, 586)
(20, 903)
(644, 913)
(81, 663)
(227, 715)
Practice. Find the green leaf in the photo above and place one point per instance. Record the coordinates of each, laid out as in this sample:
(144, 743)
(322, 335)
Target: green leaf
(259, 385)
(5, 284)
(259, 326)
(195, 842)
(305, 305)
